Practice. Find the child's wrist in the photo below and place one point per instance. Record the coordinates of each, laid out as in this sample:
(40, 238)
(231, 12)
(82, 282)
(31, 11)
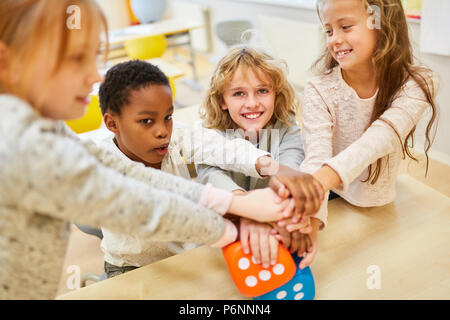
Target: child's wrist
(216, 199)
(237, 205)
(229, 235)
(327, 177)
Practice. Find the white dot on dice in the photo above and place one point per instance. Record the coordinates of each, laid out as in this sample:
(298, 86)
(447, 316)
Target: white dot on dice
(243, 263)
(281, 294)
(264, 275)
(251, 281)
(278, 269)
(298, 287)
(299, 296)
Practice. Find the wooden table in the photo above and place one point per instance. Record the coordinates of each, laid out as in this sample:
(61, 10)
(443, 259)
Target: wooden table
(163, 27)
(407, 240)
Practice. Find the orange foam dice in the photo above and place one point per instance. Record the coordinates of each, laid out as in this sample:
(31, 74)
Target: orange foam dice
(252, 279)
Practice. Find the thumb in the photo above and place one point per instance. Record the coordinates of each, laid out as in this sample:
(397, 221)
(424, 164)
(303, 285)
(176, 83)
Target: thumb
(308, 259)
(278, 187)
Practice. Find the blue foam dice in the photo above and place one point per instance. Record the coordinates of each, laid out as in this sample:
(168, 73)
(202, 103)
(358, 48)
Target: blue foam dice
(300, 287)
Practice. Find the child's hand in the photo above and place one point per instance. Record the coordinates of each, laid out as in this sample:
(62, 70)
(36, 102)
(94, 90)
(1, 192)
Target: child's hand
(301, 243)
(304, 188)
(281, 234)
(261, 205)
(255, 236)
(303, 247)
(292, 224)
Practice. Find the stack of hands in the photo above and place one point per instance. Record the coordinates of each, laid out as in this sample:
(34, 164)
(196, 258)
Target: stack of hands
(281, 213)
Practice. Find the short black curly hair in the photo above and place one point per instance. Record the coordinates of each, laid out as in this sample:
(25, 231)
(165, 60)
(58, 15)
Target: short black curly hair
(125, 77)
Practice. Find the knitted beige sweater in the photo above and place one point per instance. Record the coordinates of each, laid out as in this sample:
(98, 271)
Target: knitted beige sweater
(336, 132)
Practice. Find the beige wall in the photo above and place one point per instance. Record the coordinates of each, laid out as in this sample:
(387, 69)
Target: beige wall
(116, 13)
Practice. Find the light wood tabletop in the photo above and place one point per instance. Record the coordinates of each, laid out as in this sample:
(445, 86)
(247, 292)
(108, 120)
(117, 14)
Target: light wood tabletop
(163, 27)
(406, 244)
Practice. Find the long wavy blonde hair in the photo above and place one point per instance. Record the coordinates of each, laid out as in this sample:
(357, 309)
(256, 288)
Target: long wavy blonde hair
(286, 99)
(29, 25)
(393, 61)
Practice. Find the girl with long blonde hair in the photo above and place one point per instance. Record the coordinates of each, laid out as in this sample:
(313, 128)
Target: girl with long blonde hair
(360, 113)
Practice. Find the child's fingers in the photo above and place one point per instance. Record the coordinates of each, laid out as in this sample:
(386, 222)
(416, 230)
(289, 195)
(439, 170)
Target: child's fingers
(273, 243)
(300, 199)
(316, 197)
(265, 248)
(284, 192)
(307, 229)
(309, 256)
(254, 246)
(287, 212)
(294, 242)
(305, 220)
(301, 249)
(307, 260)
(244, 240)
(309, 204)
(309, 245)
(295, 226)
(282, 222)
(278, 187)
(297, 217)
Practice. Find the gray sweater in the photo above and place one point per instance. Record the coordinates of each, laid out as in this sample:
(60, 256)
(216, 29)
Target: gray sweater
(49, 177)
(283, 142)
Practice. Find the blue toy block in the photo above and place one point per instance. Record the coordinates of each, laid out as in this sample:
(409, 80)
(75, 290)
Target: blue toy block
(300, 287)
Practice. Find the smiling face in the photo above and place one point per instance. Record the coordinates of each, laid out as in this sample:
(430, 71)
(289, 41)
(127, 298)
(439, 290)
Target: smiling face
(249, 99)
(349, 39)
(144, 127)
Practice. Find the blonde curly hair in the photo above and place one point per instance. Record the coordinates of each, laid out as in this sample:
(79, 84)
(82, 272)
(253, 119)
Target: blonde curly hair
(286, 99)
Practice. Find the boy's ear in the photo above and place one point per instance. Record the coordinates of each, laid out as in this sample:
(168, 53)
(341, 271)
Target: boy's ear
(110, 122)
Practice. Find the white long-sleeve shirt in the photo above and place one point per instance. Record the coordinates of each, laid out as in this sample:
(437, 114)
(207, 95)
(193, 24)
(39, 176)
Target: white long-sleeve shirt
(186, 145)
(336, 132)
